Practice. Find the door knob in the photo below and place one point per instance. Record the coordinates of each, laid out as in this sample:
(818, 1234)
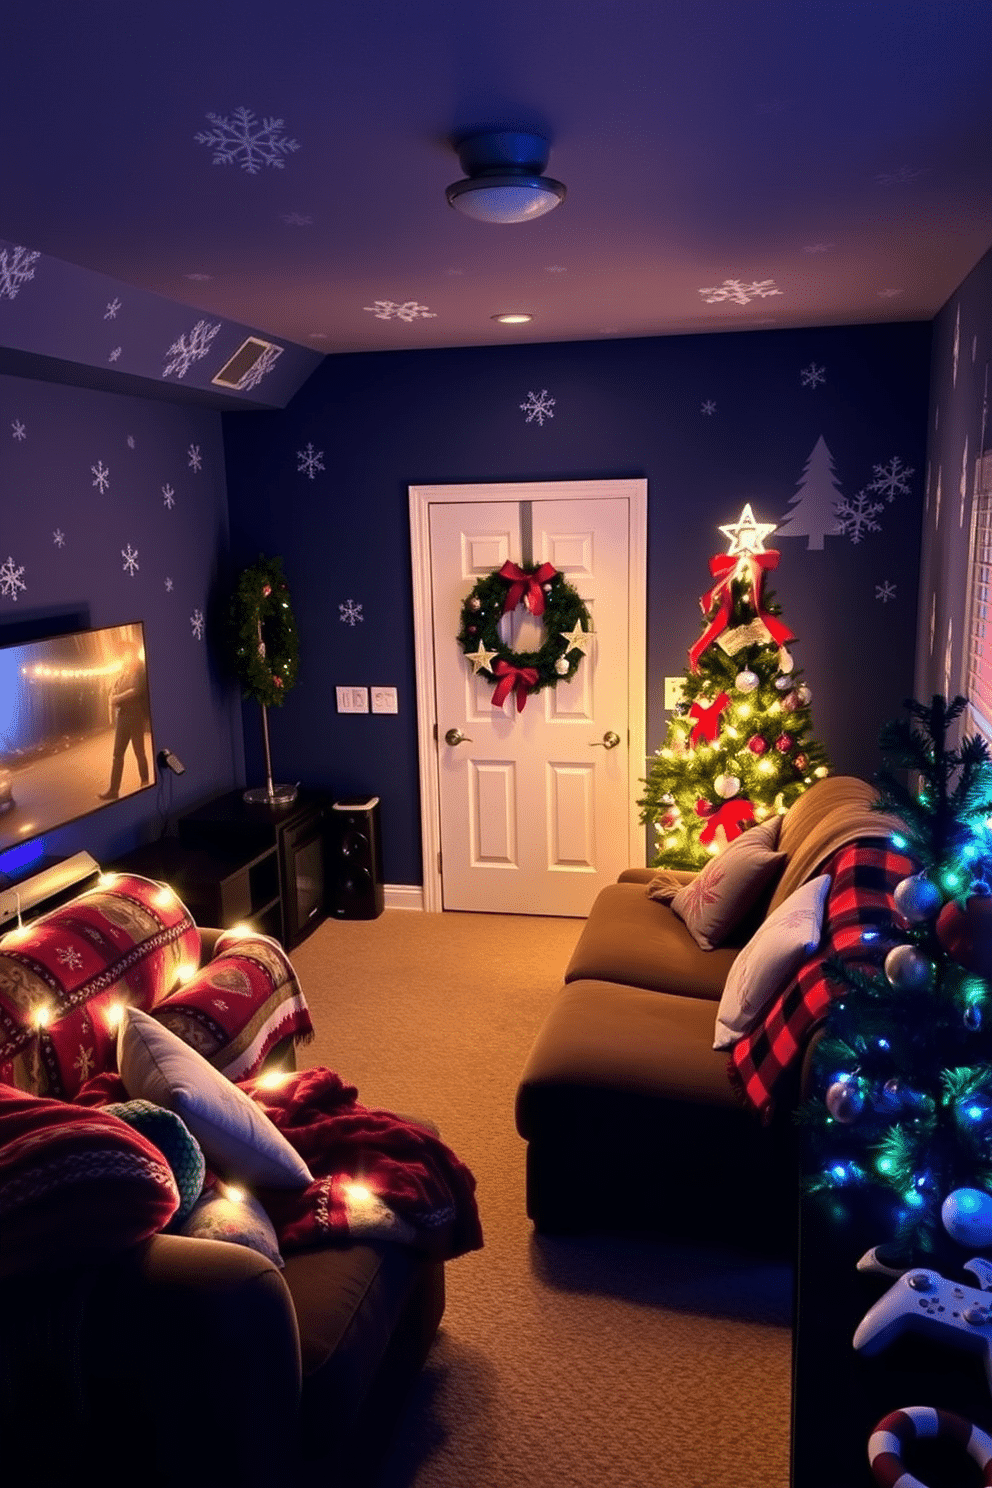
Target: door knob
(455, 736)
(610, 740)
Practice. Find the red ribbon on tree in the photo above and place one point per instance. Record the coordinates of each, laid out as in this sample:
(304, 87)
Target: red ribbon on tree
(519, 679)
(731, 816)
(526, 586)
(725, 568)
(707, 716)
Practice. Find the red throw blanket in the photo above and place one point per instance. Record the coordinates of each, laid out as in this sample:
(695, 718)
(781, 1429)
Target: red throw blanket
(864, 876)
(376, 1175)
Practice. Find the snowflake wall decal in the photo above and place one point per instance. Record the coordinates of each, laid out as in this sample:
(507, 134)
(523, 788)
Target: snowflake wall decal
(19, 431)
(196, 624)
(15, 271)
(101, 477)
(709, 407)
(265, 363)
(296, 219)
(901, 177)
(351, 612)
(891, 479)
(189, 348)
(168, 497)
(409, 310)
(130, 564)
(194, 458)
(241, 139)
(168, 586)
(735, 291)
(538, 407)
(10, 579)
(112, 308)
(58, 537)
(885, 591)
(813, 375)
(115, 354)
(857, 516)
(309, 462)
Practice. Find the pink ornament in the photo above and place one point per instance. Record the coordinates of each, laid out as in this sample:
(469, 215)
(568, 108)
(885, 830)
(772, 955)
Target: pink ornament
(671, 818)
(783, 743)
(277, 681)
(790, 702)
(757, 744)
(266, 590)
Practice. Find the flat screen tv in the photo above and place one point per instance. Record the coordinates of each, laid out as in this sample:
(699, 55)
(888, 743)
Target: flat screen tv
(75, 728)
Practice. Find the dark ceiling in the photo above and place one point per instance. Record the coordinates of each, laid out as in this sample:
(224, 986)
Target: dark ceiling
(783, 163)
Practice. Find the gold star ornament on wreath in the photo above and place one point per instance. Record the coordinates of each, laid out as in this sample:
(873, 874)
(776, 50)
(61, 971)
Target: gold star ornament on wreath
(546, 594)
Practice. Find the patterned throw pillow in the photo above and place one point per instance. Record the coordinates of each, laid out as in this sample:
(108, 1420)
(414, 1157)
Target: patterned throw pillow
(717, 900)
(174, 1140)
(238, 1139)
(769, 961)
(240, 1221)
(121, 942)
(239, 1006)
(75, 1184)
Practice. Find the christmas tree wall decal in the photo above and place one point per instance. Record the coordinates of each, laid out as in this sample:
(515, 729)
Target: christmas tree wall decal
(740, 745)
(814, 506)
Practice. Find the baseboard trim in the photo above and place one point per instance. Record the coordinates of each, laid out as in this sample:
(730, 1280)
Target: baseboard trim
(403, 896)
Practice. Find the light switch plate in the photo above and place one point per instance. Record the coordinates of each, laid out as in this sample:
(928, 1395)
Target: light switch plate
(384, 700)
(674, 688)
(352, 699)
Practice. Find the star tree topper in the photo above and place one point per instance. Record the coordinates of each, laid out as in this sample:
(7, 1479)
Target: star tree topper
(746, 535)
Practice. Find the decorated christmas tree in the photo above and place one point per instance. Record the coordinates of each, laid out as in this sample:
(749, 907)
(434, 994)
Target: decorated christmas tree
(739, 747)
(903, 1075)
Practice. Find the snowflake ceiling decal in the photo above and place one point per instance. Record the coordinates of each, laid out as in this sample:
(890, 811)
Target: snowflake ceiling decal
(15, 271)
(736, 292)
(813, 375)
(58, 537)
(242, 139)
(10, 579)
(168, 496)
(189, 348)
(101, 477)
(130, 564)
(196, 622)
(112, 308)
(19, 432)
(709, 407)
(391, 310)
(885, 591)
(351, 613)
(193, 457)
(538, 407)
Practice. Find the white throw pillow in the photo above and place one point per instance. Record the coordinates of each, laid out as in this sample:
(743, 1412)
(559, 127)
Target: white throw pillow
(770, 960)
(238, 1139)
(723, 892)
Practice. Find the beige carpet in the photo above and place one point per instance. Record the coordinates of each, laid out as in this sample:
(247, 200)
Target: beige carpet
(578, 1363)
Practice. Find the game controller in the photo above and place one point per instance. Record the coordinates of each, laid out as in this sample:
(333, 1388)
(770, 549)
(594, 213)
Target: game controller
(923, 1301)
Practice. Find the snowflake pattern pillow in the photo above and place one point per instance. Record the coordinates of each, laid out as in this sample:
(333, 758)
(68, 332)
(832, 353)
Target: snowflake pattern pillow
(716, 901)
(770, 960)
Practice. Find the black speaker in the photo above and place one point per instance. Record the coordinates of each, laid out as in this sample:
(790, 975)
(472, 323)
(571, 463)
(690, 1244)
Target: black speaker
(354, 860)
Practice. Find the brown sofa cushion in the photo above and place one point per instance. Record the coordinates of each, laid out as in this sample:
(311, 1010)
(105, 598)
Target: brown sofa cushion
(633, 940)
(601, 1036)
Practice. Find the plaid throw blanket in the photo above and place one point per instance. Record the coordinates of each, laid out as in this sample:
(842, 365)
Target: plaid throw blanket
(864, 875)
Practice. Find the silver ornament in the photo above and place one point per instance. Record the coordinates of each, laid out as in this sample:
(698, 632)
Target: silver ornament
(845, 1100)
(782, 684)
(747, 681)
(561, 666)
(907, 968)
(726, 786)
(917, 898)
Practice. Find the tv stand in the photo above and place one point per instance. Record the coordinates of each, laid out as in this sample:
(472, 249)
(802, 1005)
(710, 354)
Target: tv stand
(236, 862)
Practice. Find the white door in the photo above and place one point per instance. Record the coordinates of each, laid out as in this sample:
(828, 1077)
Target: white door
(535, 806)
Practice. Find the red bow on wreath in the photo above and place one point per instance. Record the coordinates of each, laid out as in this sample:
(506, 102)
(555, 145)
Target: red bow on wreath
(707, 718)
(526, 586)
(724, 569)
(519, 679)
(731, 816)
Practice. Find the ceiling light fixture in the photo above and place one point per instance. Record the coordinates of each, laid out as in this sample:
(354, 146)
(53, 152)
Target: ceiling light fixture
(513, 317)
(503, 177)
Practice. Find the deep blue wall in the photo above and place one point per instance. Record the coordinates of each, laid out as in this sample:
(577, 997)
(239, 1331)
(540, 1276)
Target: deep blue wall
(712, 422)
(65, 532)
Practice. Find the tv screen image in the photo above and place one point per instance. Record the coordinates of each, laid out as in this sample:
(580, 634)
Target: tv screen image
(75, 728)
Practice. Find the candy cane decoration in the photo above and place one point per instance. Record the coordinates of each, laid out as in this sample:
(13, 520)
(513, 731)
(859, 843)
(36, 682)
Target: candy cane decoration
(886, 1443)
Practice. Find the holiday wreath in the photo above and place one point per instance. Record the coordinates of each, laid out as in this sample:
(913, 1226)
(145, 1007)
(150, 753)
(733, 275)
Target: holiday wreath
(544, 592)
(266, 648)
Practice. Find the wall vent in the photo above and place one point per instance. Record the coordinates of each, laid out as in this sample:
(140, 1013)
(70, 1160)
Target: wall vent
(237, 372)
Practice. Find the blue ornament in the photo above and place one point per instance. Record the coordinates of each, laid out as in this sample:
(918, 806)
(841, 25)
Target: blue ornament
(917, 899)
(967, 1217)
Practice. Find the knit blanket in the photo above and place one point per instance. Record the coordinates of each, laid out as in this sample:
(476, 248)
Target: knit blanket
(864, 875)
(376, 1175)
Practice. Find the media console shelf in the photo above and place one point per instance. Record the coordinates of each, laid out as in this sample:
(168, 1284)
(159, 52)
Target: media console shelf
(238, 863)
